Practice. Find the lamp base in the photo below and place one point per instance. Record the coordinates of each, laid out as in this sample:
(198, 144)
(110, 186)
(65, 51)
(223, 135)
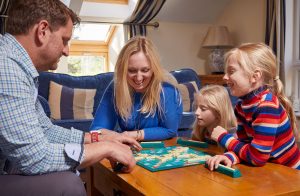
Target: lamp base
(216, 62)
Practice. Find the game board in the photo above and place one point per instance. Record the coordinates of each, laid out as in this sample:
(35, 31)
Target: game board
(169, 158)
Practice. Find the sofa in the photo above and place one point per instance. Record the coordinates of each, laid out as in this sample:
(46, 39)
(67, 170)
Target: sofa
(187, 79)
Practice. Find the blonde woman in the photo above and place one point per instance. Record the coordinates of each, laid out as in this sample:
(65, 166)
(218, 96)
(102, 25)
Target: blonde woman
(144, 107)
(266, 120)
(213, 108)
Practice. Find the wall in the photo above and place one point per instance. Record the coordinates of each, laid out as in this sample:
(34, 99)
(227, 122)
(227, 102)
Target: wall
(245, 20)
(179, 44)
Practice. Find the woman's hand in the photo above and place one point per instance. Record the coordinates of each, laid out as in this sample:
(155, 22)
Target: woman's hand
(131, 134)
(137, 135)
(214, 162)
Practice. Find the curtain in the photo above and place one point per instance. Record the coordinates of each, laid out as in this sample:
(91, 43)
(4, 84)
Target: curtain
(275, 32)
(144, 12)
(3, 10)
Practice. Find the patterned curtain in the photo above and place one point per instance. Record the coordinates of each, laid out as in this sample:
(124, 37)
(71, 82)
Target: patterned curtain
(144, 12)
(275, 32)
(3, 16)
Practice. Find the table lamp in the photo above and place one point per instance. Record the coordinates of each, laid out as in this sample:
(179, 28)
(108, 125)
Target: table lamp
(217, 39)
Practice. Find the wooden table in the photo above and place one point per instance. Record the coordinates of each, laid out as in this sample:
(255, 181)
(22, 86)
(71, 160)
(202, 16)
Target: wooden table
(271, 179)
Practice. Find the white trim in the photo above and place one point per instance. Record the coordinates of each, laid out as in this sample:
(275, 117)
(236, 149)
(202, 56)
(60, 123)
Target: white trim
(296, 33)
(296, 90)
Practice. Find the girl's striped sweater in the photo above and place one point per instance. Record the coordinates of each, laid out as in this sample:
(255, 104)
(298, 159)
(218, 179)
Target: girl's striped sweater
(264, 132)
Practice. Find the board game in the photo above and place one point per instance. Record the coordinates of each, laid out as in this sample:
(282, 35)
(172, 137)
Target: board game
(169, 158)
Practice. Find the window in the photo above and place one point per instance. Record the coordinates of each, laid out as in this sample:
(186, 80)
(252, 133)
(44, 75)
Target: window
(89, 49)
(86, 65)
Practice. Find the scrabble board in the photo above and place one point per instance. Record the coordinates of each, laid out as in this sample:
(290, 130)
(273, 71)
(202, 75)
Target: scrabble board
(171, 157)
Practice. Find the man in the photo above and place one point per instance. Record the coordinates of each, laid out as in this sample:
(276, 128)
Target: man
(38, 32)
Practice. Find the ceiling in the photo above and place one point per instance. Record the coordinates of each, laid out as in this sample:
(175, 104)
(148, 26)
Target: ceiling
(189, 11)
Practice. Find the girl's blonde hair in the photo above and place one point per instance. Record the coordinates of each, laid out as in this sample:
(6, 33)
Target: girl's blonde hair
(123, 92)
(218, 101)
(258, 56)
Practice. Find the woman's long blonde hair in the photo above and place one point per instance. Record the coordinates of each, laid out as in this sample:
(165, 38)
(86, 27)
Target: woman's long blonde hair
(218, 101)
(253, 56)
(123, 92)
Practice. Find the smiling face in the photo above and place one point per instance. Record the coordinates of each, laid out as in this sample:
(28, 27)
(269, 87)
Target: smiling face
(237, 79)
(139, 73)
(205, 116)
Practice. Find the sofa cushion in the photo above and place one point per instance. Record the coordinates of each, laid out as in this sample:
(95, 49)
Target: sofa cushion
(70, 103)
(169, 78)
(187, 91)
(99, 82)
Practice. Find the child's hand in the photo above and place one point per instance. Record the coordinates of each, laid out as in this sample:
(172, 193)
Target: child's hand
(215, 134)
(213, 162)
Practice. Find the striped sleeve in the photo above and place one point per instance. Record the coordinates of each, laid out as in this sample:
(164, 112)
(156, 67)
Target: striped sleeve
(266, 120)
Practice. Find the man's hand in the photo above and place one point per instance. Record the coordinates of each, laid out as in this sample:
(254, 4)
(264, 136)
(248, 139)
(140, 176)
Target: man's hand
(115, 152)
(117, 137)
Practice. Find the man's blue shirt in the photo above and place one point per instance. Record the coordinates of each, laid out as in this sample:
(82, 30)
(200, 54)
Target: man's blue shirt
(29, 143)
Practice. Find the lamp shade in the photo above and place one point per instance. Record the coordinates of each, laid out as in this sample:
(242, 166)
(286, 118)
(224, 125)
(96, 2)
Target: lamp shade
(217, 37)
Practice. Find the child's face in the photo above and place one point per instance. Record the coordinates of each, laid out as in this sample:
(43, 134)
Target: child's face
(237, 80)
(205, 116)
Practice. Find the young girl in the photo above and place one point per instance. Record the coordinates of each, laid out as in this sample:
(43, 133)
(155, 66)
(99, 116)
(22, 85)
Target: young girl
(266, 120)
(213, 108)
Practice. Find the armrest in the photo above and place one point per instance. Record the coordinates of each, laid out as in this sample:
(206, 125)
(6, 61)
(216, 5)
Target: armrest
(45, 105)
(187, 120)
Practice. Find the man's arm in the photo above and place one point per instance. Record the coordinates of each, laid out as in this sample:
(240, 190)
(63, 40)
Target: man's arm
(114, 147)
(22, 138)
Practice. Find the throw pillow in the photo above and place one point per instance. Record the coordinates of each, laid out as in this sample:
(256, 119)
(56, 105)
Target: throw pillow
(70, 103)
(168, 77)
(187, 91)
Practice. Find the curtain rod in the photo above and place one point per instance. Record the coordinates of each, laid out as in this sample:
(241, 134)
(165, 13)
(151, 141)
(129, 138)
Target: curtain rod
(155, 24)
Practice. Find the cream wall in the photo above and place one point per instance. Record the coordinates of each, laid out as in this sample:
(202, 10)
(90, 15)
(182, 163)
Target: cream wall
(245, 20)
(179, 44)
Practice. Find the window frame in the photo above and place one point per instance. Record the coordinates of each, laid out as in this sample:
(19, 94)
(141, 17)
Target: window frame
(296, 34)
(94, 48)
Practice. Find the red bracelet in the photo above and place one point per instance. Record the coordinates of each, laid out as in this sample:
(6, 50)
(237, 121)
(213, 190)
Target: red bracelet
(95, 135)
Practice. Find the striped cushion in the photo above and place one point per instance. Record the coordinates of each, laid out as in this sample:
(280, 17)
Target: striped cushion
(70, 103)
(187, 91)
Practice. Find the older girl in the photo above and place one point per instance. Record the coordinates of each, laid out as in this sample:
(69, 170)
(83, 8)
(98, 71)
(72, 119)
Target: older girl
(266, 120)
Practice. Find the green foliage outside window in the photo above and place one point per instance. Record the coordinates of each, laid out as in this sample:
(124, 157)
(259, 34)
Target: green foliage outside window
(86, 65)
